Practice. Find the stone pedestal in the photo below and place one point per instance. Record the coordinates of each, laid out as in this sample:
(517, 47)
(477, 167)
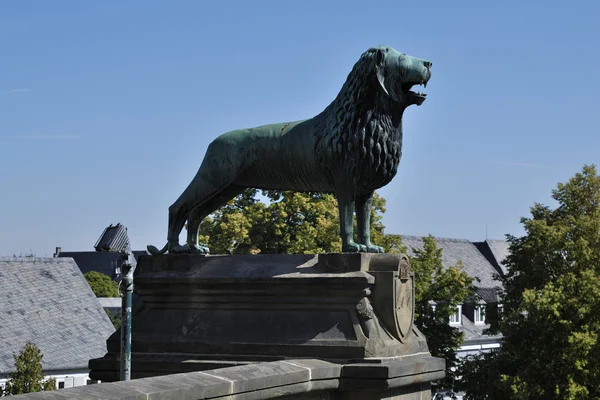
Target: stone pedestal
(199, 313)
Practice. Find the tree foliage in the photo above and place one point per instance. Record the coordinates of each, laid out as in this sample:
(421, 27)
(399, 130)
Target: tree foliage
(551, 317)
(308, 223)
(114, 316)
(29, 377)
(291, 222)
(101, 284)
(447, 287)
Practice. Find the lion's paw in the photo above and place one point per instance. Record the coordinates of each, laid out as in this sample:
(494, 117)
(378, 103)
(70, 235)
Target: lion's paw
(352, 247)
(187, 249)
(371, 248)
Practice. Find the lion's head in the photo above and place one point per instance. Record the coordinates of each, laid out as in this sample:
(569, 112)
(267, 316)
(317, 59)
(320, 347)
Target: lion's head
(366, 116)
(397, 73)
(383, 76)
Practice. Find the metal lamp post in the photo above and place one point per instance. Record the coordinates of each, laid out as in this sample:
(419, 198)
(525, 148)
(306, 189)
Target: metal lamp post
(115, 239)
(126, 289)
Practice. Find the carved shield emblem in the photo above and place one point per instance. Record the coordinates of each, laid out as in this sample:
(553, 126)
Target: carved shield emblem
(394, 300)
(405, 299)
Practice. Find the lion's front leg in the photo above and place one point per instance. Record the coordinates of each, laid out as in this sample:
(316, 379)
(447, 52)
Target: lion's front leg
(346, 208)
(363, 219)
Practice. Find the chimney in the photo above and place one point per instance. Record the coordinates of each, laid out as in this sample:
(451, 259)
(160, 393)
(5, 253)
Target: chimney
(58, 250)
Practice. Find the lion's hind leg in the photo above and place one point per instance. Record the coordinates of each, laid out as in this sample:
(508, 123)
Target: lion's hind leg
(212, 183)
(195, 195)
(222, 164)
(198, 214)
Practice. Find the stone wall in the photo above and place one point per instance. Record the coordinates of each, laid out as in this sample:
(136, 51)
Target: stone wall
(396, 378)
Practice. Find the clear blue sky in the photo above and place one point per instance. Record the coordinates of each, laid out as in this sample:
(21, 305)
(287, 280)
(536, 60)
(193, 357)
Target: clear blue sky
(107, 107)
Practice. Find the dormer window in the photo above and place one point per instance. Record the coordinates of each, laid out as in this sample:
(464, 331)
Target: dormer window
(456, 318)
(480, 314)
(432, 305)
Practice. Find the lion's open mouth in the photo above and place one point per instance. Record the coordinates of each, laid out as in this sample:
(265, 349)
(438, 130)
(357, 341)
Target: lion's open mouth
(414, 97)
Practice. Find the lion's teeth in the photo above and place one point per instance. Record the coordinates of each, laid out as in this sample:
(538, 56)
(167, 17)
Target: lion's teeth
(425, 84)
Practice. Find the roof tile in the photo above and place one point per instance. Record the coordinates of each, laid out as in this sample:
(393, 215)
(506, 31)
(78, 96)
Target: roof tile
(47, 301)
(455, 250)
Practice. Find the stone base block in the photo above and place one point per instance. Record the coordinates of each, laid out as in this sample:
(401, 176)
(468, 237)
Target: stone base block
(198, 312)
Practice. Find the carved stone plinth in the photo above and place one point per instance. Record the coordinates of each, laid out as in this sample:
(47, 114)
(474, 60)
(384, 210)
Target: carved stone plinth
(204, 312)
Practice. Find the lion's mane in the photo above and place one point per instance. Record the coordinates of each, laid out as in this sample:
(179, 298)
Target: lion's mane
(361, 129)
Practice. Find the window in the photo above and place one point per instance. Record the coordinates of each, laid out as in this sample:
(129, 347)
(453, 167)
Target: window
(61, 385)
(432, 305)
(455, 319)
(480, 314)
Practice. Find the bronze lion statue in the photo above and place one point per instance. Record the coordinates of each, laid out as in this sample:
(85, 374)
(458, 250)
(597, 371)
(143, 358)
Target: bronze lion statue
(350, 149)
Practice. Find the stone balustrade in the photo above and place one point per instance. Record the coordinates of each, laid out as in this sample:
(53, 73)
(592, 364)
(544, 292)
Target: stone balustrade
(395, 378)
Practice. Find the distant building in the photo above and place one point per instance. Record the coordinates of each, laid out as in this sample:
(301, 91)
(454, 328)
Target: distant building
(105, 259)
(495, 251)
(104, 262)
(47, 301)
(482, 261)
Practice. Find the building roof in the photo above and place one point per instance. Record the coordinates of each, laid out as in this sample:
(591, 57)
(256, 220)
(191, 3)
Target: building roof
(47, 301)
(107, 258)
(110, 302)
(455, 250)
(107, 263)
(114, 238)
(475, 332)
(489, 295)
(499, 249)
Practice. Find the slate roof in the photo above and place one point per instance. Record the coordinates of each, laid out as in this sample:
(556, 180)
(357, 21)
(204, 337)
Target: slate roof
(474, 332)
(48, 301)
(499, 249)
(489, 295)
(455, 250)
(107, 263)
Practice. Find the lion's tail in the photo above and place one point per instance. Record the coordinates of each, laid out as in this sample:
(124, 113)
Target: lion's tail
(155, 251)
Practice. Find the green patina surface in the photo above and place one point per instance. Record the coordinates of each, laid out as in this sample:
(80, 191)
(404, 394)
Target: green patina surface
(350, 149)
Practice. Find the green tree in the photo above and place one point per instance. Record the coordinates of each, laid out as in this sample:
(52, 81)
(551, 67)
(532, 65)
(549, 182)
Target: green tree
(291, 222)
(445, 287)
(114, 316)
(551, 316)
(480, 377)
(101, 284)
(29, 377)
